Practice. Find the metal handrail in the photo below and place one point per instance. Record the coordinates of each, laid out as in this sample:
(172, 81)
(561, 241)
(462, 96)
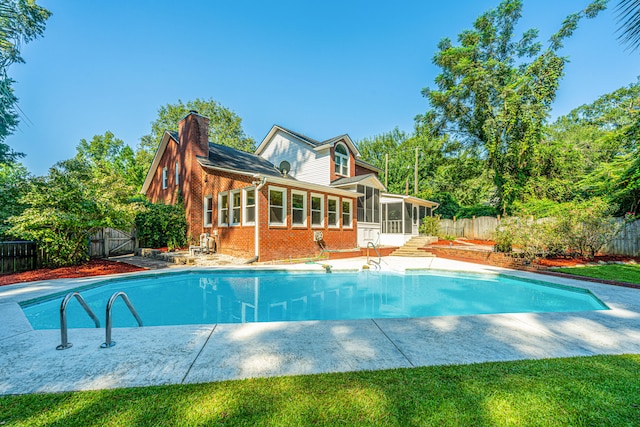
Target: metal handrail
(375, 248)
(63, 318)
(108, 342)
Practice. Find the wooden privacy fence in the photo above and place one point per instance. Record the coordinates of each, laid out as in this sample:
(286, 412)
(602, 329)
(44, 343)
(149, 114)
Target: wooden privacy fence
(482, 227)
(627, 242)
(17, 256)
(108, 242)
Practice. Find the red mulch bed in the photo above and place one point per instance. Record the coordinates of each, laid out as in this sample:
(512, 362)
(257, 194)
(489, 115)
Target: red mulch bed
(548, 262)
(459, 243)
(572, 262)
(96, 267)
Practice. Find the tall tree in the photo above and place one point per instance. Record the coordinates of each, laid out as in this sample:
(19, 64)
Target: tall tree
(66, 206)
(495, 91)
(14, 183)
(225, 128)
(106, 154)
(21, 21)
(591, 152)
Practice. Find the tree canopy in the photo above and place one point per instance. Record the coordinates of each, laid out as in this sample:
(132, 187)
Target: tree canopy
(495, 91)
(225, 128)
(21, 21)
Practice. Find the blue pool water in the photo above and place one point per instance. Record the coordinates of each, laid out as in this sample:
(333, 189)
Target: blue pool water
(250, 296)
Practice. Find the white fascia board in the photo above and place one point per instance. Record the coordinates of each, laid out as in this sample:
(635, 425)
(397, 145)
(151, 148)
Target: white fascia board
(267, 139)
(288, 182)
(372, 181)
(314, 187)
(410, 199)
(156, 161)
(346, 139)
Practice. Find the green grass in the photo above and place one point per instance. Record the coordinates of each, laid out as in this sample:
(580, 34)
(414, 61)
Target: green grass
(629, 273)
(581, 391)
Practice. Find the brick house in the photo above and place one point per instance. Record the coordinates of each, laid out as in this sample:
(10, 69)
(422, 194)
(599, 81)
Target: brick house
(279, 202)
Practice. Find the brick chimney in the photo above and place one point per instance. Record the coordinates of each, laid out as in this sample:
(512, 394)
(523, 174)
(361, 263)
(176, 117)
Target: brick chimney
(193, 130)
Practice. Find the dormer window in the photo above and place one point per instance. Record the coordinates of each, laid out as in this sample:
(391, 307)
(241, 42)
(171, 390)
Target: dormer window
(341, 160)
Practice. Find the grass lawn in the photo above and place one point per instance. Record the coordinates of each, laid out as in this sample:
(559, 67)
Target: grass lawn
(582, 391)
(629, 273)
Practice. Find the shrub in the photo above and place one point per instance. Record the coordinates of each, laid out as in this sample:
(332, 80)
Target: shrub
(504, 235)
(476, 210)
(162, 225)
(430, 226)
(589, 226)
(577, 227)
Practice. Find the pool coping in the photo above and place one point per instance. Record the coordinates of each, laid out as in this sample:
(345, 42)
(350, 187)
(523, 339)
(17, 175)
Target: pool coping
(146, 356)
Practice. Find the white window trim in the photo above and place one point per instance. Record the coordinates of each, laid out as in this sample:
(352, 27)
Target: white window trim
(350, 225)
(344, 159)
(284, 206)
(165, 178)
(321, 196)
(304, 208)
(205, 210)
(337, 223)
(221, 209)
(233, 221)
(246, 206)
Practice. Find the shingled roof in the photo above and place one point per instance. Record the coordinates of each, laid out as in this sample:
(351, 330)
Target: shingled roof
(223, 157)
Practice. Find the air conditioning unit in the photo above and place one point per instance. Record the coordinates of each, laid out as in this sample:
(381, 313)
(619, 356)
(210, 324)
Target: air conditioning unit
(317, 236)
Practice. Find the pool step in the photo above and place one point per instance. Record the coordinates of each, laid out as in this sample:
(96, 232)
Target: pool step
(412, 248)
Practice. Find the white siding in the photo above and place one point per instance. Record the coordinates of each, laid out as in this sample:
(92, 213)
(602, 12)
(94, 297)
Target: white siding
(306, 164)
(368, 233)
(394, 239)
(316, 170)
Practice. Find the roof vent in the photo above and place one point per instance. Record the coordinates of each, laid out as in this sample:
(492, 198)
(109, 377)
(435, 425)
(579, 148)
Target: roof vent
(284, 167)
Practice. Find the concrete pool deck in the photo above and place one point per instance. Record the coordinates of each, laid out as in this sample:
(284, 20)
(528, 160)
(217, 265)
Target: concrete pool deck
(30, 363)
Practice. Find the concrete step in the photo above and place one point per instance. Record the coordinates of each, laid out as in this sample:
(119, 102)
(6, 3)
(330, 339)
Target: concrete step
(417, 254)
(411, 247)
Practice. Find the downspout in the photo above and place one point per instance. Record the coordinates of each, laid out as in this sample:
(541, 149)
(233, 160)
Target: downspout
(256, 237)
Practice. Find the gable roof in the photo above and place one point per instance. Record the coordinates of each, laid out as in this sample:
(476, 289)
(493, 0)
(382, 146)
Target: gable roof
(367, 165)
(222, 157)
(166, 137)
(370, 179)
(386, 197)
(312, 143)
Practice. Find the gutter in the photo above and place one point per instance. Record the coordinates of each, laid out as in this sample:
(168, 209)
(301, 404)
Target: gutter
(256, 227)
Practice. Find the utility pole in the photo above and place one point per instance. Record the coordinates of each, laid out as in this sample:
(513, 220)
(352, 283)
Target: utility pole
(415, 182)
(386, 170)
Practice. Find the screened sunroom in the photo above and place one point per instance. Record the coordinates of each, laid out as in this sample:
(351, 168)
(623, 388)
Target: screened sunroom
(401, 216)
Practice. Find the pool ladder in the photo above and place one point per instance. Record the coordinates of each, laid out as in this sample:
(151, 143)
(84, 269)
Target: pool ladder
(108, 342)
(375, 248)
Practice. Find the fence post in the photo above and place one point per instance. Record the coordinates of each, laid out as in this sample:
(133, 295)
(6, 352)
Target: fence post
(473, 226)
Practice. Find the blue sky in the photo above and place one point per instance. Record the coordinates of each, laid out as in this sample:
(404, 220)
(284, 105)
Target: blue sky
(319, 68)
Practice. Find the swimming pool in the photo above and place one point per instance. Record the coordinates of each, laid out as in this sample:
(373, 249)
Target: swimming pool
(206, 297)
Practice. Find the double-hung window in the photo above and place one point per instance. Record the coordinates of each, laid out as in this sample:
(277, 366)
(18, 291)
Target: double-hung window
(165, 178)
(317, 210)
(208, 211)
(249, 217)
(234, 197)
(346, 213)
(177, 173)
(298, 208)
(277, 206)
(341, 160)
(333, 213)
(223, 208)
